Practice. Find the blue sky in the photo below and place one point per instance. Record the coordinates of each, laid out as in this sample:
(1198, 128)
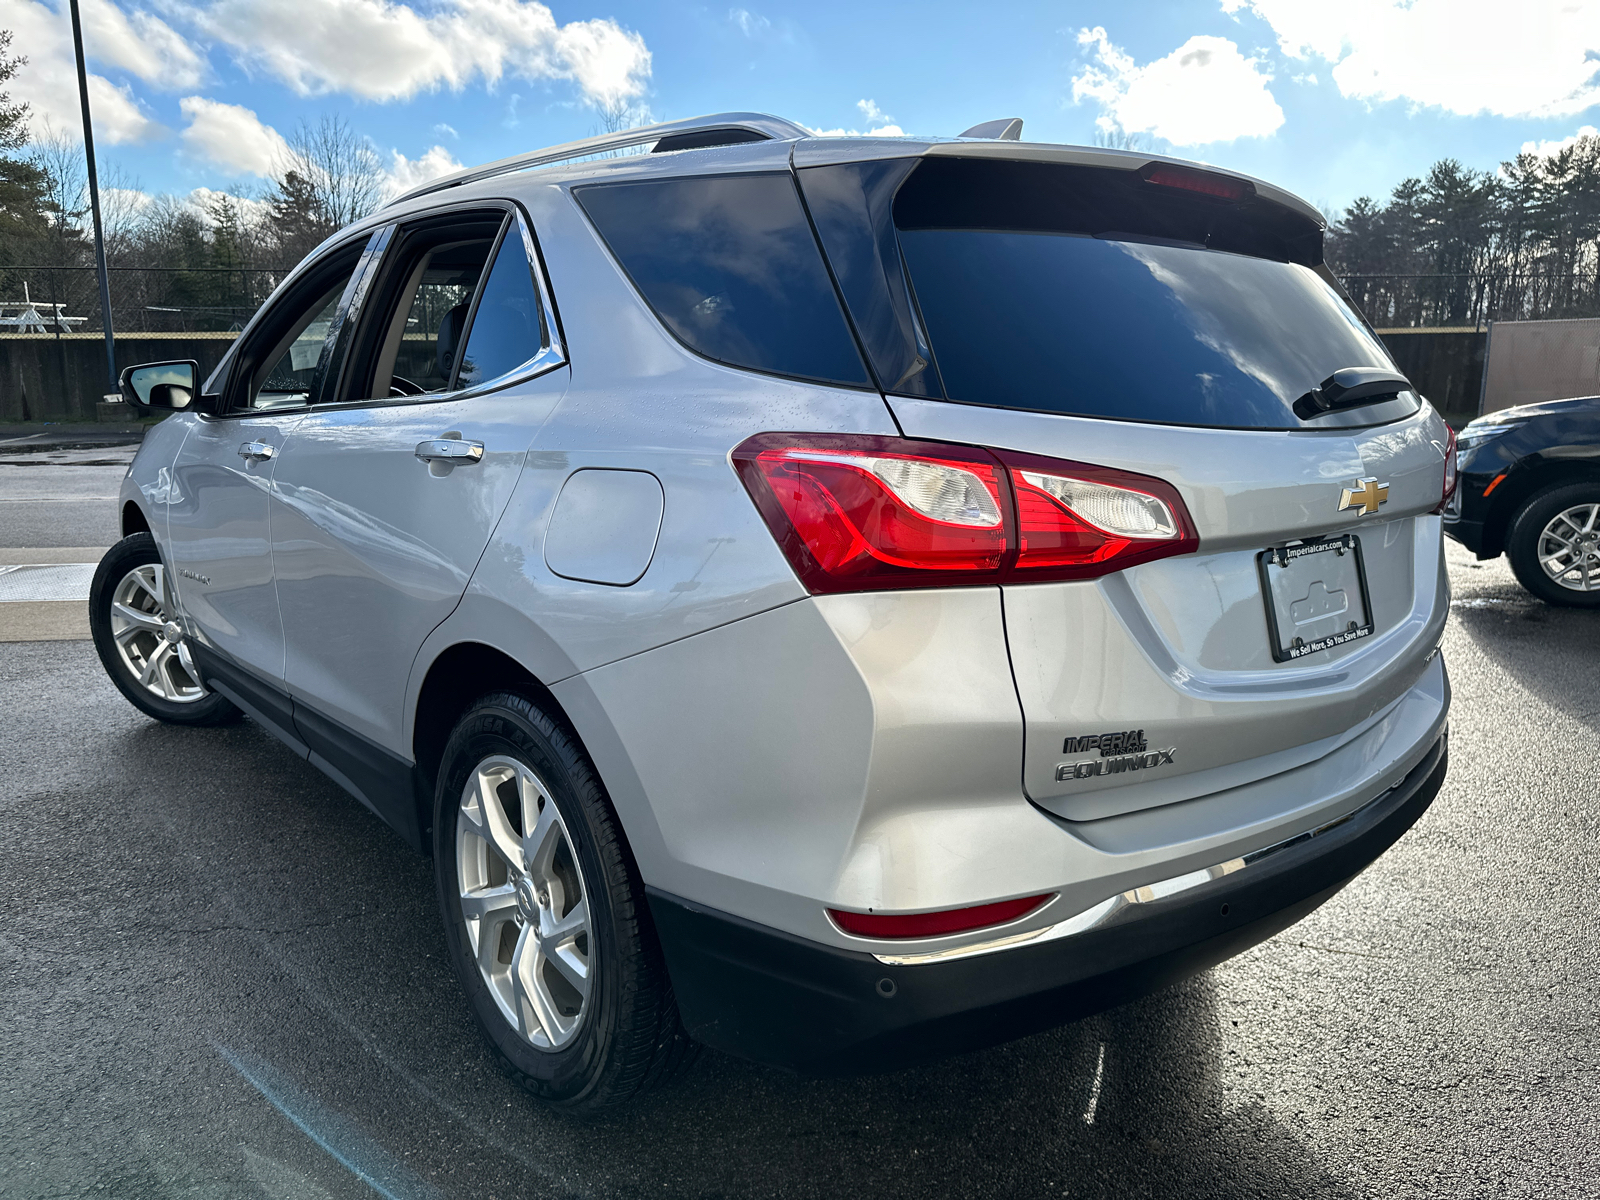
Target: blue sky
(1330, 100)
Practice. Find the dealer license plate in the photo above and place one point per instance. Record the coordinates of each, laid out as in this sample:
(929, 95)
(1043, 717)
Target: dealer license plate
(1316, 596)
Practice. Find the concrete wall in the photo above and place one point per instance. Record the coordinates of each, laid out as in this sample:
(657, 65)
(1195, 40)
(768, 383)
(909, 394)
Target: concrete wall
(45, 377)
(1445, 364)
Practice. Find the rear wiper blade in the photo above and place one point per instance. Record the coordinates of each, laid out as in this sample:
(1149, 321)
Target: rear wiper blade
(1350, 386)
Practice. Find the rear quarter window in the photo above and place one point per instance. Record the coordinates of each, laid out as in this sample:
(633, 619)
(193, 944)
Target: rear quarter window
(730, 266)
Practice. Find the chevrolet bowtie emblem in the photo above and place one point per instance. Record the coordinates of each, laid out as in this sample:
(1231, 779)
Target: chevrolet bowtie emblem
(1366, 496)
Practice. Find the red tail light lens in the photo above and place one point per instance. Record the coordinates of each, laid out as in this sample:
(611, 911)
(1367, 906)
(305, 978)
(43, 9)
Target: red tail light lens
(854, 513)
(1207, 183)
(1076, 521)
(1452, 474)
(932, 924)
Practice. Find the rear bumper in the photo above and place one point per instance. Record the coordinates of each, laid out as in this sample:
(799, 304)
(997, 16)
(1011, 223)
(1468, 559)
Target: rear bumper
(769, 996)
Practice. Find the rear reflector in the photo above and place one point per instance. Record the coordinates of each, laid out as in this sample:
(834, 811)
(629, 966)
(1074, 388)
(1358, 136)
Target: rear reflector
(932, 924)
(855, 513)
(1206, 183)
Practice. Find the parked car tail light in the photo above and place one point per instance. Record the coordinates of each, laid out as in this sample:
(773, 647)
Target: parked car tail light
(1452, 472)
(854, 513)
(932, 924)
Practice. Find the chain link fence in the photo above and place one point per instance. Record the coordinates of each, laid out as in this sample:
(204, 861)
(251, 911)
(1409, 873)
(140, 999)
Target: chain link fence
(1473, 299)
(145, 299)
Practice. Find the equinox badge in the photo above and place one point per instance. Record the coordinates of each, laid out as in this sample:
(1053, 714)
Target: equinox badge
(1366, 495)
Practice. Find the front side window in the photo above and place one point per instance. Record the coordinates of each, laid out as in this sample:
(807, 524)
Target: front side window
(292, 361)
(508, 325)
(730, 265)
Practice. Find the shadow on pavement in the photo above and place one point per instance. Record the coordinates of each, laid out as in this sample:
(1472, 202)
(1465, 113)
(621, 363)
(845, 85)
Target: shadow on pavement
(234, 983)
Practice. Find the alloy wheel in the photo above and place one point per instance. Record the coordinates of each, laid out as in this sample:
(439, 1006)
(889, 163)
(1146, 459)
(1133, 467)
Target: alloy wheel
(524, 902)
(1569, 548)
(149, 640)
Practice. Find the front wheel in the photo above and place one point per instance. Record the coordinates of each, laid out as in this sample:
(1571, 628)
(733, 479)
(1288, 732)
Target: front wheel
(544, 913)
(141, 641)
(1554, 545)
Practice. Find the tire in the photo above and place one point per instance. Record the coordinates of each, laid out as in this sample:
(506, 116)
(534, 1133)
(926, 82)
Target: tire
(585, 1044)
(133, 620)
(1559, 526)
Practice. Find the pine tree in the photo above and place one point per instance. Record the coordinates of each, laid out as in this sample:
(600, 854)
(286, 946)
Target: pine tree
(22, 183)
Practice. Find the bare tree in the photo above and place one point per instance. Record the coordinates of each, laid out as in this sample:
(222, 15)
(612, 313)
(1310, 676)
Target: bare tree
(617, 115)
(65, 199)
(1119, 138)
(329, 177)
(342, 169)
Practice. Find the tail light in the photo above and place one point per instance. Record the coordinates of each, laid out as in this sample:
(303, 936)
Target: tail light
(854, 513)
(933, 924)
(1452, 474)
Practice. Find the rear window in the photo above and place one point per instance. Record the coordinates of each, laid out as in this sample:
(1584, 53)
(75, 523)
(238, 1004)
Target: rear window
(729, 264)
(1023, 310)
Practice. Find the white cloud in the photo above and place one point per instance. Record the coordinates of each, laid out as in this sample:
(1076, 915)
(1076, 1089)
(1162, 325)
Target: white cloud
(406, 173)
(750, 24)
(1547, 148)
(1537, 58)
(250, 210)
(1204, 91)
(378, 50)
(872, 113)
(48, 83)
(885, 126)
(231, 136)
(141, 44)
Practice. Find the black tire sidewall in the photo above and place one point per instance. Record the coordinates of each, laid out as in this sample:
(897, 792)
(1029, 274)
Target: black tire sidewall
(138, 550)
(1522, 543)
(508, 726)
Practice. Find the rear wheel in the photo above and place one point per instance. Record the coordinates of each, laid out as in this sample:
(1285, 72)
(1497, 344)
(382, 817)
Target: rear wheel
(1554, 545)
(544, 913)
(141, 641)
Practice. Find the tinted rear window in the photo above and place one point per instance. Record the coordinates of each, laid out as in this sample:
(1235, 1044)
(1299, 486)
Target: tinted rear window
(730, 265)
(1034, 298)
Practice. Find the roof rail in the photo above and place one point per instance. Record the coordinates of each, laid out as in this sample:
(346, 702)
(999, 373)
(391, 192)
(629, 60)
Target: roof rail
(768, 129)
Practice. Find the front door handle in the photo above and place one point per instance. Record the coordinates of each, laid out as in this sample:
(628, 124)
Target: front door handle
(251, 451)
(450, 450)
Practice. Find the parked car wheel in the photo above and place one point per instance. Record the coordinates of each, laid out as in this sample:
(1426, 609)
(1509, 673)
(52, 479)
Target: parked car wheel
(544, 913)
(133, 620)
(1554, 545)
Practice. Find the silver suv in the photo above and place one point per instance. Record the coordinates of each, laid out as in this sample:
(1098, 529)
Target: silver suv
(833, 600)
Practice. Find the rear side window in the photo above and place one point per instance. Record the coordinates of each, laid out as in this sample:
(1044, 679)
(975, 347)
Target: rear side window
(508, 325)
(729, 264)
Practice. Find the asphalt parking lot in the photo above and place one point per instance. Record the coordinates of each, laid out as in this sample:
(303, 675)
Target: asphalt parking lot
(220, 976)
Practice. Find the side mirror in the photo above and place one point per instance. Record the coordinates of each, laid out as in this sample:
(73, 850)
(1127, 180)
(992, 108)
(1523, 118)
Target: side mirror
(164, 386)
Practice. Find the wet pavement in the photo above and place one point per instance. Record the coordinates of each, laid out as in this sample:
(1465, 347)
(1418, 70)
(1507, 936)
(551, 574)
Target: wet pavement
(220, 976)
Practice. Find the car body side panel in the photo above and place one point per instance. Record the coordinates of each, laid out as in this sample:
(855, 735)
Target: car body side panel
(148, 483)
(673, 414)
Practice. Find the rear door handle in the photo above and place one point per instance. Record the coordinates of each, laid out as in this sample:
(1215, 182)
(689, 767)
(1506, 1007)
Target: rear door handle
(251, 451)
(450, 450)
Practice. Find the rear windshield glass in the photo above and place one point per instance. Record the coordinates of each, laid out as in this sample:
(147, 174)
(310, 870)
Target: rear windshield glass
(1026, 308)
(730, 265)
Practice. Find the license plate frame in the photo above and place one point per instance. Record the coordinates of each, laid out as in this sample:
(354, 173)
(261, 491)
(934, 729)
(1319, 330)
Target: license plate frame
(1276, 594)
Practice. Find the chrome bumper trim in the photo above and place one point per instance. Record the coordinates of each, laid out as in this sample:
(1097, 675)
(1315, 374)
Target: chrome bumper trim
(1106, 910)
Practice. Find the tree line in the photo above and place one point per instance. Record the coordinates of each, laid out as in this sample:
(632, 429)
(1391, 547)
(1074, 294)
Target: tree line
(206, 261)
(1459, 247)
(1452, 247)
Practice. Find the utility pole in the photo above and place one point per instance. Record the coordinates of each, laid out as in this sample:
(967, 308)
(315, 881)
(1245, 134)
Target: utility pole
(94, 204)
